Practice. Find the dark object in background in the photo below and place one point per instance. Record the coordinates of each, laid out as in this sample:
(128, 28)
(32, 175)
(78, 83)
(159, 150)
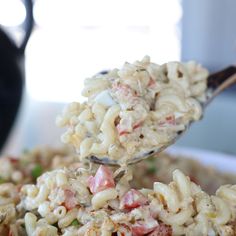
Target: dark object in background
(12, 74)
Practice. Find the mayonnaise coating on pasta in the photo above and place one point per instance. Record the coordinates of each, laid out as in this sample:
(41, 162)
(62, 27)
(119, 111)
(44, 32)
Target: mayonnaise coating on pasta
(136, 108)
(91, 201)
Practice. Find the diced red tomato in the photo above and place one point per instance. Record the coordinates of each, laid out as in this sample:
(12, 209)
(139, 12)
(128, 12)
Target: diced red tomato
(137, 125)
(123, 89)
(124, 132)
(161, 230)
(141, 228)
(151, 82)
(170, 120)
(5, 230)
(70, 199)
(132, 199)
(14, 160)
(102, 180)
(121, 131)
(193, 179)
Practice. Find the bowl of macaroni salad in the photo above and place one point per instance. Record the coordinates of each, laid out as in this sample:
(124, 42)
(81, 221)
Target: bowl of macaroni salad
(48, 192)
(90, 200)
(131, 110)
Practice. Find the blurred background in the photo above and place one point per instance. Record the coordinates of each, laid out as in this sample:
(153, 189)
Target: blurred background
(74, 39)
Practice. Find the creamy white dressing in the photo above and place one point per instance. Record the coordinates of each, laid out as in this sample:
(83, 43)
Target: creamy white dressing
(155, 102)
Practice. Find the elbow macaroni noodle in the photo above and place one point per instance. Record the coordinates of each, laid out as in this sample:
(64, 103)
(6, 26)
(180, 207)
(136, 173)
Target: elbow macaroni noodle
(139, 107)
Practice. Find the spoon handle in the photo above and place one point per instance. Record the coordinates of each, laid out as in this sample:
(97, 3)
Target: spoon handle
(220, 81)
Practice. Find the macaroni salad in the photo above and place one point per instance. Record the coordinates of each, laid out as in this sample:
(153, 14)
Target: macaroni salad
(132, 110)
(47, 192)
(95, 201)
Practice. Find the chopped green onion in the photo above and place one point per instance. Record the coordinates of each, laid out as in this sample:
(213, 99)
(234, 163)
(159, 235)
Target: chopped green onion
(151, 170)
(75, 222)
(2, 180)
(37, 171)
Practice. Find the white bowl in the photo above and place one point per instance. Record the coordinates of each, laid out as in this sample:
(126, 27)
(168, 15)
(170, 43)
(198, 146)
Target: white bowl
(221, 161)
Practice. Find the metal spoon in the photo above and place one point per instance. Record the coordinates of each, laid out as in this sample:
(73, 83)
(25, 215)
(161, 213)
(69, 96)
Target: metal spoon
(216, 83)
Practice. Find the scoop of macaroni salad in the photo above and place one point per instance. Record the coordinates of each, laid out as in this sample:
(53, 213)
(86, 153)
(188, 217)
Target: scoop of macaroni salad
(92, 201)
(133, 109)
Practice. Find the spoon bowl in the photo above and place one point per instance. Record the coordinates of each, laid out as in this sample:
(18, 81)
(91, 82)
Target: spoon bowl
(216, 83)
